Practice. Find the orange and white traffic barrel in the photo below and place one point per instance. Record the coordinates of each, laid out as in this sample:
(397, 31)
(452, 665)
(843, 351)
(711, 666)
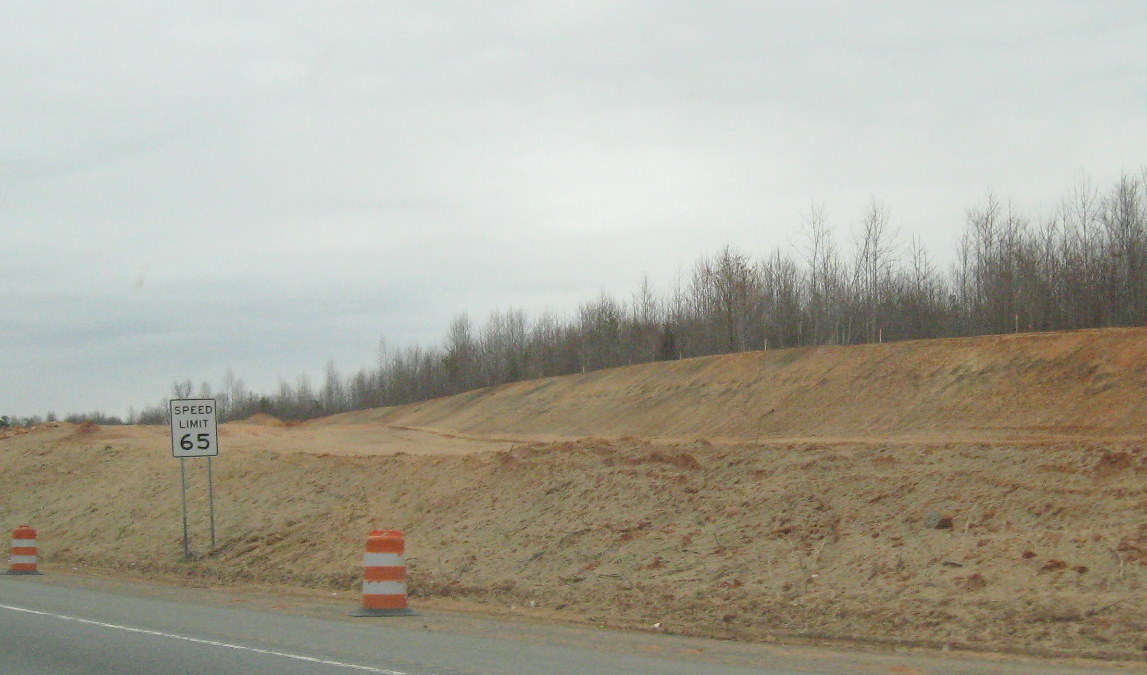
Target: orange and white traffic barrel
(384, 575)
(24, 556)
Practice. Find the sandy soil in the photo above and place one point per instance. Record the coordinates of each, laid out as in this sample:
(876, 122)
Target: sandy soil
(984, 494)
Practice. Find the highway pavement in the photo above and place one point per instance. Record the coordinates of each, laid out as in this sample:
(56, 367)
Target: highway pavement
(69, 628)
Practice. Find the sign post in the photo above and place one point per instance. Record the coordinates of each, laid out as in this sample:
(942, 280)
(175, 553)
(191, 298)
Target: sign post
(194, 433)
(183, 494)
(211, 502)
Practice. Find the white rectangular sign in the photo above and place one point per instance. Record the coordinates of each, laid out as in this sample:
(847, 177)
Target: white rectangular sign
(194, 432)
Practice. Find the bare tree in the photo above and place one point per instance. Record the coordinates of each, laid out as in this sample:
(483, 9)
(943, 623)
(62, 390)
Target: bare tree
(783, 303)
(824, 281)
(1124, 220)
(601, 325)
(922, 298)
(236, 398)
(646, 317)
(503, 347)
(461, 355)
(334, 392)
(181, 389)
(875, 256)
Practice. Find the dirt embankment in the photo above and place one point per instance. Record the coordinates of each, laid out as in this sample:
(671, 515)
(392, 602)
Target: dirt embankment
(983, 493)
(1042, 385)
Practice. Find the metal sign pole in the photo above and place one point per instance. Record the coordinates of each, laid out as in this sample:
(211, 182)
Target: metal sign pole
(194, 433)
(211, 501)
(183, 492)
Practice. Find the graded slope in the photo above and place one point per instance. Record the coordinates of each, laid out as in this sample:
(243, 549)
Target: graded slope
(1089, 382)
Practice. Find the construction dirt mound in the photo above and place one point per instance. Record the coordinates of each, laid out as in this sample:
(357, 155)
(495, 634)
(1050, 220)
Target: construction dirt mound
(263, 420)
(1050, 384)
(984, 493)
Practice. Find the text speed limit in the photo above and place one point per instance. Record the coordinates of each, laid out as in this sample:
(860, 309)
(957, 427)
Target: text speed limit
(194, 429)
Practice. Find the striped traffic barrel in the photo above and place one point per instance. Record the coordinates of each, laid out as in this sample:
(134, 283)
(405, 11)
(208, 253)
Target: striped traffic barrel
(24, 555)
(384, 575)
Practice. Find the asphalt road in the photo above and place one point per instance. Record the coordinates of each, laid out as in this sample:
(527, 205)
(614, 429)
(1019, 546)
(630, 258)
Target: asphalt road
(61, 629)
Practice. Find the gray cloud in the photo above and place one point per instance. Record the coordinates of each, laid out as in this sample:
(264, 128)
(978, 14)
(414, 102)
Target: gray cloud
(299, 179)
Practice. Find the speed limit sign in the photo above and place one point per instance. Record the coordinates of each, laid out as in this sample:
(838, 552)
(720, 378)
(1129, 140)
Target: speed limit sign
(194, 431)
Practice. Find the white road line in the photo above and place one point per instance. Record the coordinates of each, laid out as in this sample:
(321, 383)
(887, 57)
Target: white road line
(213, 643)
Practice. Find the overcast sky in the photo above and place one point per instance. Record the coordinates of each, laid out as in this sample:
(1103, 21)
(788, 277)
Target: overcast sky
(187, 187)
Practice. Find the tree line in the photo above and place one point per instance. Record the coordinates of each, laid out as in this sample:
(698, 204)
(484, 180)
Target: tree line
(1082, 266)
